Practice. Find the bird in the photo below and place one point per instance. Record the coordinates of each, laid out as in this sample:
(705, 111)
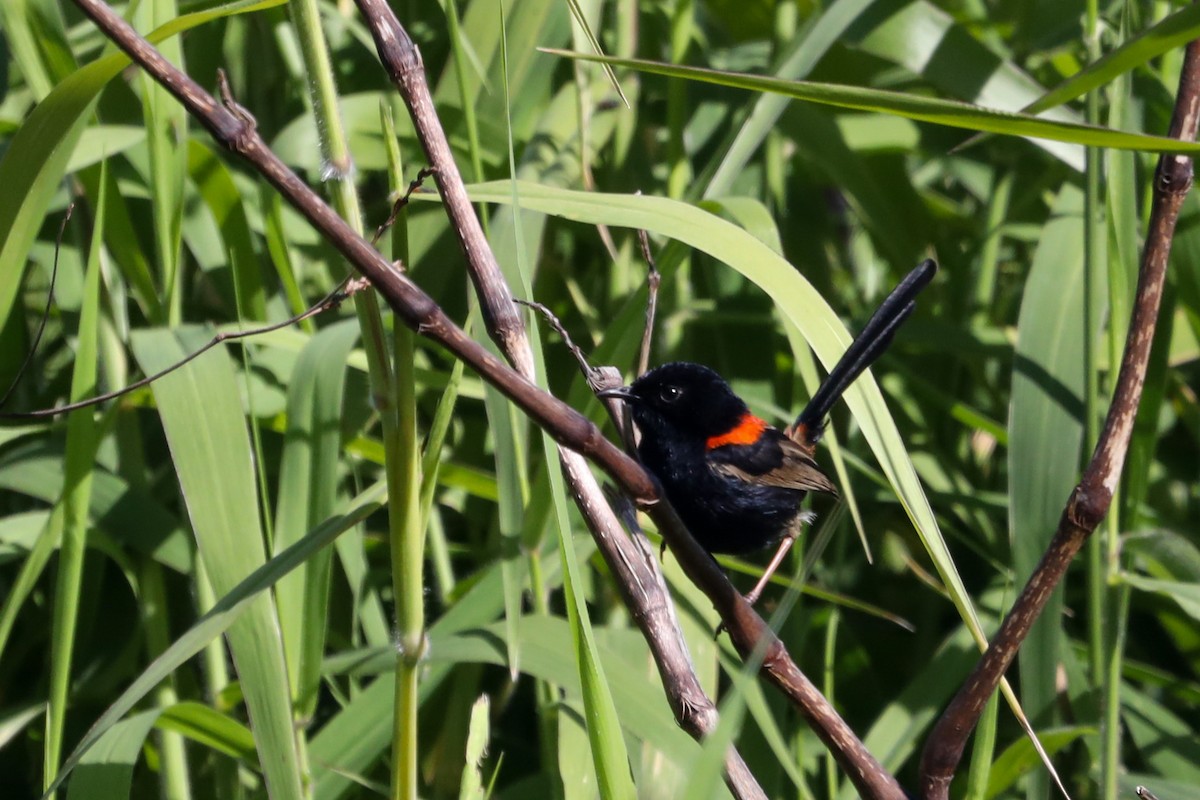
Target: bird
(736, 481)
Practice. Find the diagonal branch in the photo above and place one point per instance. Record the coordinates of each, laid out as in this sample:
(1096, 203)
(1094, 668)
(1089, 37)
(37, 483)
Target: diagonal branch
(641, 583)
(1090, 500)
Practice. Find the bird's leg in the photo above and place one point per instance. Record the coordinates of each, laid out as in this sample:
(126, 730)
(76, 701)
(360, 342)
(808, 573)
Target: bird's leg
(785, 544)
(789, 538)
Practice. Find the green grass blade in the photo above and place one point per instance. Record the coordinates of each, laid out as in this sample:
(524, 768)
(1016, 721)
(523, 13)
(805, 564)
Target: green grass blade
(227, 611)
(82, 441)
(308, 480)
(202, 416)
(106, 770)
(209, 727)
(951, 113)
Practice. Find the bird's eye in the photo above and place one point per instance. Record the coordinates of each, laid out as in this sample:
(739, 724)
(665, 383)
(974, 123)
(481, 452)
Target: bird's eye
(669, 394)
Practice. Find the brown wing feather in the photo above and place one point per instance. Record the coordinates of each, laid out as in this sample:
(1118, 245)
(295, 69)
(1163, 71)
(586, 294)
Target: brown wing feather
(798, 471)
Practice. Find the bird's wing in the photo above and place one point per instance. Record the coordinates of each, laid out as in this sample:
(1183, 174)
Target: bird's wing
(778, 461)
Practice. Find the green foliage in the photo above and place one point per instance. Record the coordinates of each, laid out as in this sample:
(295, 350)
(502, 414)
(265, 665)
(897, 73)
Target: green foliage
(201, 591)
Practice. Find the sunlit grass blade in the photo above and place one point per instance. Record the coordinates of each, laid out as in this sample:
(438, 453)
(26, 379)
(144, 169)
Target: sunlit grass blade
(940, 111)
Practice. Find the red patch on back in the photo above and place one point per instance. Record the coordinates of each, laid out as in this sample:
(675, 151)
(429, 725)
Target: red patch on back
(746, 431)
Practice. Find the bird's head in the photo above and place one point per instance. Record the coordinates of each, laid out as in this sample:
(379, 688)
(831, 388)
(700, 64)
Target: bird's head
(686, 399)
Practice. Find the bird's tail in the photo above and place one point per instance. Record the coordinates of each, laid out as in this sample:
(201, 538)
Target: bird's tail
(875, 337)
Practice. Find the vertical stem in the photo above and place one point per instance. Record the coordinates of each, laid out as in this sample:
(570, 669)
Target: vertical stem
(1094, 272)
(406, 531)
(1110, 730)
(677, 105)
(153, 608)
(407, 547)
(828, 689)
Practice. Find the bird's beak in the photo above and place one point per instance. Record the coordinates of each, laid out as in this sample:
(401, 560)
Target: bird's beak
(621, 393)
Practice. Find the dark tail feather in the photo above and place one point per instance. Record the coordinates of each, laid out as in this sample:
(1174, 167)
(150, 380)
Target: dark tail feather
(875, 337)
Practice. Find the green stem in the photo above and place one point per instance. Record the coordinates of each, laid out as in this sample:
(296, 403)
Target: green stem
(1094, 272)
(1110, 759)
(153, 607)
(828, 688)
(406, 529)
(337, 169)
(682, 23)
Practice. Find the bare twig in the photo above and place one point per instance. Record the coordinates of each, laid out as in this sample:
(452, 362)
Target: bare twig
(1090, 500)
(554, 322)
(37, 339)
(345, 289)
(653, 280)
(401, 203)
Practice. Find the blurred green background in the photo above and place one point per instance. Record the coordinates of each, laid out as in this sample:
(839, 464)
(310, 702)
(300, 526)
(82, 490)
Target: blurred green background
(162, 520)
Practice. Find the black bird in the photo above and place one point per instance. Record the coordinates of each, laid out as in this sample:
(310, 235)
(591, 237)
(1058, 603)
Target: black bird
(736, 481)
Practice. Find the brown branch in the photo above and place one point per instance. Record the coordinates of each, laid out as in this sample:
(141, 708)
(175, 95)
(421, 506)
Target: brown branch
(1091, 498)
(402, 60)
(642, 585)
(234, 128)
